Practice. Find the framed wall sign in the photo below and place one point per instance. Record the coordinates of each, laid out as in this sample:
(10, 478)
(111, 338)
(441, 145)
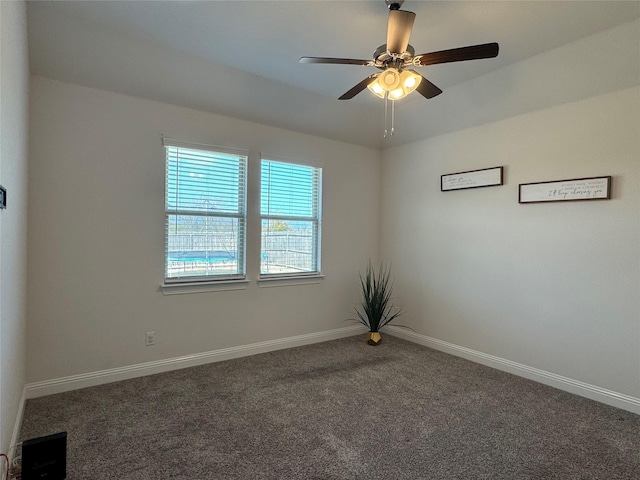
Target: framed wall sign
(487, 177)
(595, 188)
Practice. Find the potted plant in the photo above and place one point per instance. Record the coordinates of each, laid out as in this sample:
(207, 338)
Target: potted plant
(376, 310)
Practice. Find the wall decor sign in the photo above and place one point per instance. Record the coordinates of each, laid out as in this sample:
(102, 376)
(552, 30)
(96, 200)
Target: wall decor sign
(595, 188)
(487, 177)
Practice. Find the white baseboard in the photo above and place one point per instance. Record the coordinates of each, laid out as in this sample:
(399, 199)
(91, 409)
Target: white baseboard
(609, 397)
(75, 382)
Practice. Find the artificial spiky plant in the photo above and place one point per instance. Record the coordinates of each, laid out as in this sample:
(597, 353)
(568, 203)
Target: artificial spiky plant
(375, 309)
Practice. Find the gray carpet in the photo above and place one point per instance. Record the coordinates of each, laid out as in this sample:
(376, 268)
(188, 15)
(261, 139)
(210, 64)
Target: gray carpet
(338, 410)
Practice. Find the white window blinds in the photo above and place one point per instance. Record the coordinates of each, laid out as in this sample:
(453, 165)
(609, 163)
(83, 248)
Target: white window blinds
(205, 206)
(290, 207)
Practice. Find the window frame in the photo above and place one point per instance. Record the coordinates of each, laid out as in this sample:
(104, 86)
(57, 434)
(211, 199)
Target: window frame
(211, 282)
(285, 278)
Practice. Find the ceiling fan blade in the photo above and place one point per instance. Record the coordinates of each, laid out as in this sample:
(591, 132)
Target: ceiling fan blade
(358, 88)
(474, 52)
(428, 89)
(399, 30)
(336, 61)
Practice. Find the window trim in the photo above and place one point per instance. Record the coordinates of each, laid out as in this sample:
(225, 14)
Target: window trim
(222, 285)
(283, 280)
(172, 142)
(292, 278)
(194, 284)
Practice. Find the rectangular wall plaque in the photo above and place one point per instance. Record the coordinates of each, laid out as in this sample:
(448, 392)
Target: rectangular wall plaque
(595, 188)
(487, 177)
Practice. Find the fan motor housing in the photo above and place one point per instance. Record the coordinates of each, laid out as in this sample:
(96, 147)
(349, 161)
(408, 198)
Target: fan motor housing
(383, 59)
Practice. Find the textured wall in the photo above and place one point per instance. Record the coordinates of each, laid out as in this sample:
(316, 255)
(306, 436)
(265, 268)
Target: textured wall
(552, 286)
(14, 81)
(96, 237)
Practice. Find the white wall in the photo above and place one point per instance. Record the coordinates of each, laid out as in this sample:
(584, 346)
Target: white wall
(14, 101)
(96, 237)
(551, 286)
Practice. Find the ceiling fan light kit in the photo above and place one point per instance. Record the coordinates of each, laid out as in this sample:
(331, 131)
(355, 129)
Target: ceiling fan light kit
(395, 84)
(396, 80)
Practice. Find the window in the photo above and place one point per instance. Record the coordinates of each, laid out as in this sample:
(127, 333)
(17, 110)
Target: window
(205, 213)
(290, 208)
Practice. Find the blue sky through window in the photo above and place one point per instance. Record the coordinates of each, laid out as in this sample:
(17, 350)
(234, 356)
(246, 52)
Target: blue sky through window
(288, 190)
(204, 181)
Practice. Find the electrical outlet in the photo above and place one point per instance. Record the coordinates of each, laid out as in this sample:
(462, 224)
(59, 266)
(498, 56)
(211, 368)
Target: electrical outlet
(150, 338)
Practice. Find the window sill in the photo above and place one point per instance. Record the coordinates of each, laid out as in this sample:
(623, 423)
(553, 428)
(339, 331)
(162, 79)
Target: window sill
(266, 282)
(202, 287)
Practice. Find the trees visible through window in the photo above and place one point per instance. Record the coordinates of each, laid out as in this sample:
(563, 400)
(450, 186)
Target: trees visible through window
(206, 225)
(205, 210)
(290, 207)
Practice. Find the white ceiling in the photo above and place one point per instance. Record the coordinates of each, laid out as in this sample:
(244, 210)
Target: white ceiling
(240, 58)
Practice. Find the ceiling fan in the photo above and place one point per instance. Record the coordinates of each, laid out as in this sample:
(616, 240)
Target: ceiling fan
(397, 56)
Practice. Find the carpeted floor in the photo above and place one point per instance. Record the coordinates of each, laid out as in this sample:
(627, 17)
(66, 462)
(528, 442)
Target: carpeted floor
(338, 410)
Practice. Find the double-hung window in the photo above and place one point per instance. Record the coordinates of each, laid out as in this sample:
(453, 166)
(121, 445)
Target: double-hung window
(205, 213)
(290, 208)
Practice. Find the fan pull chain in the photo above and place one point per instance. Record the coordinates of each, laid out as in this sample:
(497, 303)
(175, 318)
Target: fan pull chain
(386, 115)
(393, 116)
(386, 102)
